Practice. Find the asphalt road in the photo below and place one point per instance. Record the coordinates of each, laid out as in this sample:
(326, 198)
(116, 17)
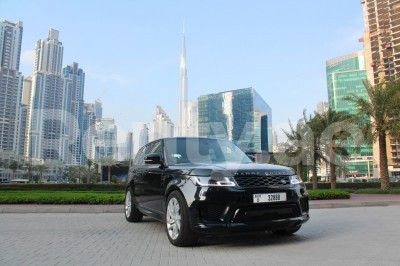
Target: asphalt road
(347, 236)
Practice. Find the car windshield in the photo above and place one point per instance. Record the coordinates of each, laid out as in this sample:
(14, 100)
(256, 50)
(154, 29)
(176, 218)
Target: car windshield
(204, 151)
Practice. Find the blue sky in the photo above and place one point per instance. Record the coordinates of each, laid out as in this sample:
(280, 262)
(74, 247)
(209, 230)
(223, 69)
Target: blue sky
(130, 49)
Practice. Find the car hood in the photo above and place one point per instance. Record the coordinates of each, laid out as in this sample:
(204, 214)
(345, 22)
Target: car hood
(246, 169)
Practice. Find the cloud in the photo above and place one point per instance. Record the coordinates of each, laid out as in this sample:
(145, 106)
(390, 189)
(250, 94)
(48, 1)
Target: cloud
(28, 57)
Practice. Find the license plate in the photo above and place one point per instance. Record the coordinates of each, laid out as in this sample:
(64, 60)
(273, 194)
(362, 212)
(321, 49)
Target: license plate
(273, 197)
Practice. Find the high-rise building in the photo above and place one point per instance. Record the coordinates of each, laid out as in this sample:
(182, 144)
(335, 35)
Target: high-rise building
(345, 76)
(75, 86)
(129, 152)
(106, 139)
(382, 56)
(162, 125)
(89, 131)
(322, 107)
(241, 116)
(183, 98)
(49, 125)
(24, 123)
(192, 120)
(143, 136)
(11, 86)
(99, 109)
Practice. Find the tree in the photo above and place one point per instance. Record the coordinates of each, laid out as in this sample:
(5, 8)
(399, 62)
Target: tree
(293, 147)
(108, 161)
(29, 167)
(383, 106)
(14, 167)
(80, 169)
(41, 168)
(89, 163)
(335, 121)
(315, 145)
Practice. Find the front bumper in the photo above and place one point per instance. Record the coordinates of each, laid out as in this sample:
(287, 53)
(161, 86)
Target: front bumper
(218, 210)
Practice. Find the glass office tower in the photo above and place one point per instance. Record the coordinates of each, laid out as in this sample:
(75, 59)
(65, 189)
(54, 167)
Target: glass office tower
(241, 116)
(346, 75)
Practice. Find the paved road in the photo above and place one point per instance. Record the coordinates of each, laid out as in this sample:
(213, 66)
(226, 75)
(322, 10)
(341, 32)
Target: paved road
(348, 236)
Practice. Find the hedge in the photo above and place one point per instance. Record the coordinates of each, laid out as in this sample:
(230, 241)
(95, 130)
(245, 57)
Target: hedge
(349, 185)
(67, 187)
(61, 197)
(377, 191)
(325, 194)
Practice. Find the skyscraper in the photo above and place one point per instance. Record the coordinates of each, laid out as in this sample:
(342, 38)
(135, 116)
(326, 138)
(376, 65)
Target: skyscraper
(183, 98)
(346, 75)
(48, 138)
(24, 123)
(129, 152)
(106, 139)
(162, 125)
(322, 107)
(192, 120)
(11, 84)
(99, 109)
(143, 136)
(241, 116)
(89, 131)
(75, 86)
(382, 54)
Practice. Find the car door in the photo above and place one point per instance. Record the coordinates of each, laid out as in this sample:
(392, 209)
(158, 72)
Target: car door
(152, 177)
(136, 172)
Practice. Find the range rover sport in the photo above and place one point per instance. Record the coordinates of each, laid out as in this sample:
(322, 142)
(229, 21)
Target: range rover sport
(209, 186)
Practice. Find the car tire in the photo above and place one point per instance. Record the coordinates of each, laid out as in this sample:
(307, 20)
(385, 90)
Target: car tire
(132, 214)
(287, 231)
(177, 221)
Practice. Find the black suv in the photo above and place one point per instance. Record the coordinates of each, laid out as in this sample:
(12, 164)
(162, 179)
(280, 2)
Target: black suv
(209, 186)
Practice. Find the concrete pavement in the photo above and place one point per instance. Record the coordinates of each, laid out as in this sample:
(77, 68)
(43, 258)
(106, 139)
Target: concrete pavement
(346, 236)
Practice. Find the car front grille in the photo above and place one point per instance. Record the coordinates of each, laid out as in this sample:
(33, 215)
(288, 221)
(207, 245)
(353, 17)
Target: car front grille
(261, 181)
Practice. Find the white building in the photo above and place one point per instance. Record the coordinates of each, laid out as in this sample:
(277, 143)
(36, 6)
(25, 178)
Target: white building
(129, 152)
(143, 136)
(106, 139)
(48, 138)
(183, 99)
(193, 120)
(322, 107)
(162, 125)
(89, 131)
(11, 84)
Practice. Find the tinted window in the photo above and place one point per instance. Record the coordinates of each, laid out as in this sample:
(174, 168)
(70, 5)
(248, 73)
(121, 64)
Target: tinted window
(206, 151)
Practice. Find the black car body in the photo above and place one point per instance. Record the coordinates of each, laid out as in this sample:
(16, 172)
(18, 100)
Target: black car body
(216, 189)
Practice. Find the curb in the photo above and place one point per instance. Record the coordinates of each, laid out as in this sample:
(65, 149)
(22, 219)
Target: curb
(120, 209)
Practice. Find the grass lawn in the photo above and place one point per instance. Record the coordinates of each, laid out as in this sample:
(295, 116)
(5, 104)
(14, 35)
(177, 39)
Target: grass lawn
(377, 191)
(60, 197)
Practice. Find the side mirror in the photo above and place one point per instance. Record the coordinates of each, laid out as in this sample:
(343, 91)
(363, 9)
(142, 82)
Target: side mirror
(152, 158)
(252, 157)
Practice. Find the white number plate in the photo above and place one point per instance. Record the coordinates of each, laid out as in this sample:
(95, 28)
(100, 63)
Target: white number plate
(273, 197)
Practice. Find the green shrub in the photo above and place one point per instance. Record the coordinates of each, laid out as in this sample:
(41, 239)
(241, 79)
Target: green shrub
(325, 194)
(377, 191)
(60, 197)
(354, 186)
(67, 187)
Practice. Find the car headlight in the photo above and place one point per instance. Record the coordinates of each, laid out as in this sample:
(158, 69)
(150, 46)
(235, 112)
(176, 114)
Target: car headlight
(294, 179)
(215, 179)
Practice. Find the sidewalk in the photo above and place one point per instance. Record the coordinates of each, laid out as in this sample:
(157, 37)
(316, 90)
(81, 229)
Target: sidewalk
(356, 200)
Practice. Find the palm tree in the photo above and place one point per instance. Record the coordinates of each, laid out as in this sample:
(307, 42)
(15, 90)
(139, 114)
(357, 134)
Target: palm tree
(89, 163)
(335, 122)
(41, 168)
(108, 161)
(14, 167)
(29, 167)
(80, 169)
(293, 149)
(384, 109)
(315, 144)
